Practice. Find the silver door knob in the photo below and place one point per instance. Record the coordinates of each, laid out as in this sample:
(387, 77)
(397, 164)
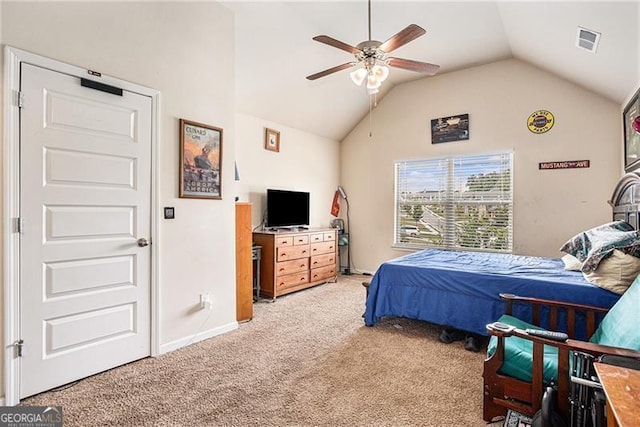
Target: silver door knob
(142, 242)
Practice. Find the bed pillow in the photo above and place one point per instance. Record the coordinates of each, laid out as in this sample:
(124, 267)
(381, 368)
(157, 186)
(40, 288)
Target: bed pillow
(571, 263)
(596, 244)
(619, 328)
(616, 272)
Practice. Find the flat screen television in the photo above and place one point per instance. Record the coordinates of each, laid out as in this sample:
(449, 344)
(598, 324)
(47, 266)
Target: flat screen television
(287, 208)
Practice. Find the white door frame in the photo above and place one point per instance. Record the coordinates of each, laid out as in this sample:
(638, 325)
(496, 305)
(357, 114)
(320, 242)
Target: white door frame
(13, 57)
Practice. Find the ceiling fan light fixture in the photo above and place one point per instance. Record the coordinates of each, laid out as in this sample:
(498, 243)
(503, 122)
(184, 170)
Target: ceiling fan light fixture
(373, 82)
(381, 72)
(358, 76)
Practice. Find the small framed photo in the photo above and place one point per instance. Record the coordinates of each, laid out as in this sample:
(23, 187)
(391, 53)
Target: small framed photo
(200, 160)
(631, 115)
(272, 140)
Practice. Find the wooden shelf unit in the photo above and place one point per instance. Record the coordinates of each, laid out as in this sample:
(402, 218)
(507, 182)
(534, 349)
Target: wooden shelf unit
(295, 260)
(244, 263)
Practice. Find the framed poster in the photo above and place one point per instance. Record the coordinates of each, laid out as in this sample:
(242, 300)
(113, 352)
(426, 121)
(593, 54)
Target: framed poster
(447, 129)
(200, 160)
(631, 124)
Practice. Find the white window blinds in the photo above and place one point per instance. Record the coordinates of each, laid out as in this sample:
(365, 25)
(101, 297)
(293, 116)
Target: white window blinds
(462, 202)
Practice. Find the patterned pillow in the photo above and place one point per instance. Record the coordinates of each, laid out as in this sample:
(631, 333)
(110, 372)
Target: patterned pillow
(593, 245)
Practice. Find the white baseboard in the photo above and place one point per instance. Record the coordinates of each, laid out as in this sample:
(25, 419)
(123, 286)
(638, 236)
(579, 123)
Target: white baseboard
(2, 401)
(201, 336)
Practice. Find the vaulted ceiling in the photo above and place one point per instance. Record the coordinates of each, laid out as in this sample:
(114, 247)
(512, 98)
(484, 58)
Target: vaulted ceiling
(275, 50)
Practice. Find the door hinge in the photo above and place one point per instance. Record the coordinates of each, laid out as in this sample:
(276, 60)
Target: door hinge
(20, 99)
(19, 346)
(18, 225)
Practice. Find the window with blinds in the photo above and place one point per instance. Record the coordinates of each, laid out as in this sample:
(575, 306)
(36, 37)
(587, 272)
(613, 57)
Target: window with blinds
(461, 202)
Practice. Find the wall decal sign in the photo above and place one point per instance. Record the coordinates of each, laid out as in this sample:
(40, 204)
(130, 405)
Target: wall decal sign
(540, 121)
(567, 164)
(447, 129)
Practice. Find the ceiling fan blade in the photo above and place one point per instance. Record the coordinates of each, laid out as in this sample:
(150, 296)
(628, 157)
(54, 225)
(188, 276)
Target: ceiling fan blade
(337, 43)
(410, 33)
(408, 64)
(331, 70)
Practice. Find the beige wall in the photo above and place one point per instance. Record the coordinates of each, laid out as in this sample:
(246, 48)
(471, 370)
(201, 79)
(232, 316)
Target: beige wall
(186, 51)
(305, 162)
(549, 206)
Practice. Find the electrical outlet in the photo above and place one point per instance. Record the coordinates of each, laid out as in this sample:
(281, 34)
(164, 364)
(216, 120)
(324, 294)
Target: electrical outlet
(205, 301)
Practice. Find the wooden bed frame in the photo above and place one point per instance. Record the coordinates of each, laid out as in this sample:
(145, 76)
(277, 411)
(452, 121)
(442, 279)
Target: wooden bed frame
(626, 200)
(502, 392)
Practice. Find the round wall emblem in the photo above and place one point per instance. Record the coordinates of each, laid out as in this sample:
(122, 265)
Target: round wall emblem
(540, 121)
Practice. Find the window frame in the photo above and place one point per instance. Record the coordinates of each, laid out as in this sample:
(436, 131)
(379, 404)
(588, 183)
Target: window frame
(450, 238)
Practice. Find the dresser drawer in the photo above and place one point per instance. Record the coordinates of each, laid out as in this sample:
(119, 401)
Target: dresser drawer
(289, 267)
(290, 280)
(316, 237)
(284, 241)
(329, 236)
(302, 239)
(322, 260)
(287, 253)
(323, 273)
(323, 248)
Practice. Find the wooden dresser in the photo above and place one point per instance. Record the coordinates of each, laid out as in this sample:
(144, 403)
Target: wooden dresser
(292, 261)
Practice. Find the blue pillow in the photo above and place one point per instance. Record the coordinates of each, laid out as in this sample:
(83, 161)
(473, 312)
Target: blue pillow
(621, 326)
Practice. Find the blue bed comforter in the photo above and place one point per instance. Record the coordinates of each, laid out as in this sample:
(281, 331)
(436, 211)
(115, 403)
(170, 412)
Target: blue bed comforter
(461, 289)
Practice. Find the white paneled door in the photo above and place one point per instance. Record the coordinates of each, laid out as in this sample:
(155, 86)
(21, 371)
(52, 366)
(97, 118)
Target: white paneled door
(85, 170)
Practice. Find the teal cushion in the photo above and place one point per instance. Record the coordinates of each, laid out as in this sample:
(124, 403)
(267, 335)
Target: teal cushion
(518, 353)
(620, 327)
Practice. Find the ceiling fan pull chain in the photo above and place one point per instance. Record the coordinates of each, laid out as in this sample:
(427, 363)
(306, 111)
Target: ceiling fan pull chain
(370, 120)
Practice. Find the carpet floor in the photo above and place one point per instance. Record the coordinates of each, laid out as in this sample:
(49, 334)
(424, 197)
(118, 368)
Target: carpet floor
(304, 360)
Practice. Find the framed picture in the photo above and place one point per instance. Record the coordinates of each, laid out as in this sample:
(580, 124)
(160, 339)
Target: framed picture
(631, 115)
(272, 140)
(447, 129)
(200, 160)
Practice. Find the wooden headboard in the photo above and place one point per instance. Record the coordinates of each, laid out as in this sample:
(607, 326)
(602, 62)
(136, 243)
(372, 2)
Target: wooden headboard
(626, 200)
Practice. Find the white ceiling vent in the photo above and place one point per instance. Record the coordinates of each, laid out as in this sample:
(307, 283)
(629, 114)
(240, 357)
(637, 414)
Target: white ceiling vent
(587, 39)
